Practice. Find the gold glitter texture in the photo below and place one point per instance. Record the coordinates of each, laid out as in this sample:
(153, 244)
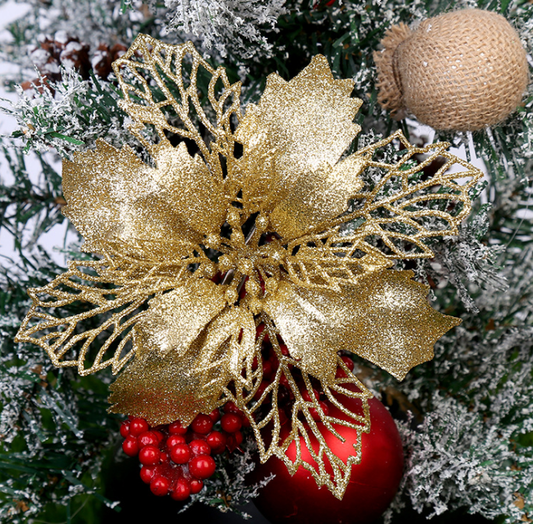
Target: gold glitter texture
(200, 246)
(385, 316)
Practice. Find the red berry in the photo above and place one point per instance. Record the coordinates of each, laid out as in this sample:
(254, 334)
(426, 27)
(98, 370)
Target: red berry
(231, 423)
(214, 415)
(125, 428)
(307, 397)
(180, 454)
(163, 457)
(260, 390)
(149, 456)
(231, 407)
(202, 467)
(231, 443)
(274, 362)
(314, 413)
(147, 472)
(196, 486)
(238, 438)
(234, 441)
(130, 446)
(267, 369)
(181, 490)
(349, 362)
(340, 373)
(158, 435)
(202, 424)
(148, 438)
(138, 426)
(159, 485)
(284, 381)
(174, 440)
(177, 429)
(216, 441)
(199, 447)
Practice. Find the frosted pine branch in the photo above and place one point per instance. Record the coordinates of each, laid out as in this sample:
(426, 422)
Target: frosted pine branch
(229, 26)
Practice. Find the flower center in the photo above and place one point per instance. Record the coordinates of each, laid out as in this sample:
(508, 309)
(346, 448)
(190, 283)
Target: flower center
(251, 258)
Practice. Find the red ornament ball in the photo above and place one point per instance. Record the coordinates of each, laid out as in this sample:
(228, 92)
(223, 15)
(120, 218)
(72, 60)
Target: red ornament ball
(374, 481)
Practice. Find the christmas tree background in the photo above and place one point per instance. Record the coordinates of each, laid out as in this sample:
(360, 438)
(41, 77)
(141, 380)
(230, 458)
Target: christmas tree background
(466, 417)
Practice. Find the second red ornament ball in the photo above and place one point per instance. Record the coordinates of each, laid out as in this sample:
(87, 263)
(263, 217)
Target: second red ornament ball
(374, 481)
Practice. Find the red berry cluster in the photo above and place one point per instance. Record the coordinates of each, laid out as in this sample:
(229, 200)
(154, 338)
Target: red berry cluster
(176, 459)
(285, 394)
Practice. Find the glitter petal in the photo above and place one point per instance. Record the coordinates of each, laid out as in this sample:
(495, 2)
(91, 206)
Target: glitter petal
(175, 319)
(119, 204)
(385, 318)
(162, 389)
(298, 129)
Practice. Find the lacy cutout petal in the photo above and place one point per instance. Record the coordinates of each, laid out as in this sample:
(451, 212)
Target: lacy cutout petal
(113, 295)
(298, 128)
(406, 208)
(161, 88)
(284, 442)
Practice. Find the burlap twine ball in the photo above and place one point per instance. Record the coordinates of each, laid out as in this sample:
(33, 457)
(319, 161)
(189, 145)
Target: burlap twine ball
(462, 70)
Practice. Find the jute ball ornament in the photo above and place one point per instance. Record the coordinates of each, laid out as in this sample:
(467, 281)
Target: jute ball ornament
(462, 71)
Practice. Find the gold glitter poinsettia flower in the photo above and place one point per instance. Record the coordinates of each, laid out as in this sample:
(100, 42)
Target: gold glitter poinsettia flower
(234, 222)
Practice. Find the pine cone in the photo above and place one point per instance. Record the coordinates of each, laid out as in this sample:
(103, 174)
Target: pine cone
(61, 50)
(66, 51)
(104, 56)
